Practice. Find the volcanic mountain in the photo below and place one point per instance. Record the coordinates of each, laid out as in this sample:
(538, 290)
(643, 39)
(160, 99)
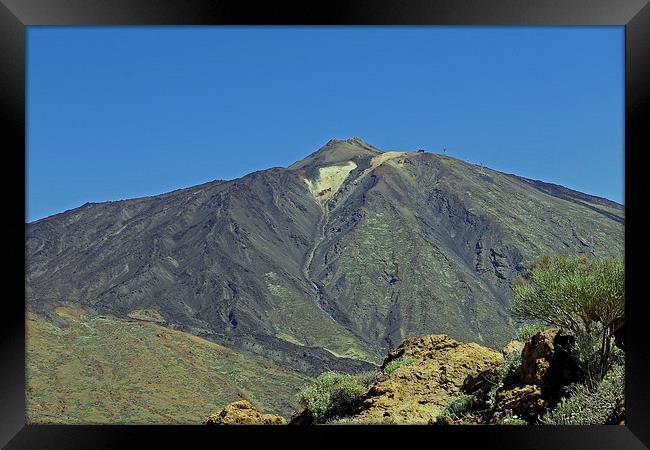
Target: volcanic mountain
(324, 265)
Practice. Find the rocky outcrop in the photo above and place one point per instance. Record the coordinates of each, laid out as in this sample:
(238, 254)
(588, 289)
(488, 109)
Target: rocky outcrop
(302, 417)
(546, 360)
(416, 392)
(243, 413)
(547, 366)
(512, 347)
(525, 401)
(437, 380)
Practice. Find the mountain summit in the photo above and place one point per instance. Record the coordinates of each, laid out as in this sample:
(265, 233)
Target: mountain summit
(326, 264)
(337, 151)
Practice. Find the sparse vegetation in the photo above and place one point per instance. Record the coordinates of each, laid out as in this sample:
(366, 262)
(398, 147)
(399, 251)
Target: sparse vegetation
(368, 378)
(597, 406)
(331, 395)
(511, 419)
(456, 409)
(359, 421)
(399, 362)
(580, 294)
(91, 369)
(527, 331)
(509, 366)
(506, 369)
(146, 315)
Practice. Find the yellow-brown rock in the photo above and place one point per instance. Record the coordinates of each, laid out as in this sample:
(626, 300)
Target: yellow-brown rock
(525, 401)
(546, 366)
(546, 361)
(243, 413)
(417, 392)
(537, 356)
(512, 347)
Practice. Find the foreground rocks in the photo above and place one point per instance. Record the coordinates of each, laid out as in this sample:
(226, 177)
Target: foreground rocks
(439, 369)
(243, 413)
(437, 380)
(418, 391)
(546, 367)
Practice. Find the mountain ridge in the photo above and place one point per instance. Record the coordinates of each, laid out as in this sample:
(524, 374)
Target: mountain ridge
(298, 164)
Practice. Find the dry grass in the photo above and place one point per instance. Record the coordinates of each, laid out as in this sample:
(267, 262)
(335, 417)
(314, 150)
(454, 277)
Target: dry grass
(101, 369)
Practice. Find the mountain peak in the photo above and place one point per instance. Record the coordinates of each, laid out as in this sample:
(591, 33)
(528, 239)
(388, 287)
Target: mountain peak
(337, 151)
(351, 140)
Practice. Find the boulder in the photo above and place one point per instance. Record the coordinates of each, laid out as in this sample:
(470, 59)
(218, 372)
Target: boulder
(512, 347)
(418, 391)
(547, 361)
(243, 413)
(302, 417)
(547, 366)
(525, 401)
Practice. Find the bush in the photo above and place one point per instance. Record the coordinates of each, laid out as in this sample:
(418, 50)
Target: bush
(369, 378)
(506, 369)
(579, 294)
(331, 395)
(457, 408)
(393, 365)
(528, 331)
(618, 356)
(591, 407)
(509, 366)
(511, 420)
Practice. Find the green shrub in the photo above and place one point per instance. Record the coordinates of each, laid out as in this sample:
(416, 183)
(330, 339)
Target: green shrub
(527, 331)
(590, 407)
(369, 377)
(393, 365)
(580, 294)
(507, 368)
(618, 356)
(511, 420)
(457, 408)
(588, 352)
(331, 395)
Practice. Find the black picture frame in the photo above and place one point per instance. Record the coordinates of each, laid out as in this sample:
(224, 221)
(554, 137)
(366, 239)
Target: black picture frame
(16, 15)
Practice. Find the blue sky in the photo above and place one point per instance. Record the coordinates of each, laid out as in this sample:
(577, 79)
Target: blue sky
(123, 112)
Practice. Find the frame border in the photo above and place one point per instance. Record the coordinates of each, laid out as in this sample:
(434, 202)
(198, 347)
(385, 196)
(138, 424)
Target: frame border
(16, 15)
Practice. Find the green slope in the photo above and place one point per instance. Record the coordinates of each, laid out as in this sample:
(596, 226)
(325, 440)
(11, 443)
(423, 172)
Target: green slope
(92, 369)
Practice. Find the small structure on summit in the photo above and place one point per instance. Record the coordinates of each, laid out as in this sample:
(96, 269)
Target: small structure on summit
(420, 150)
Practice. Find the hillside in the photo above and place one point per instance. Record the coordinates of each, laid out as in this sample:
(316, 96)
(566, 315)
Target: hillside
(324, 265)
(94, 369)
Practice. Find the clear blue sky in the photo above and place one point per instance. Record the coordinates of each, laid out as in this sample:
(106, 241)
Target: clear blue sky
(123, 112)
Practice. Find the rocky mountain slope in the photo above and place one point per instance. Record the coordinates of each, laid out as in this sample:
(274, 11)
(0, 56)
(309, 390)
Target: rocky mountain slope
(324, 265)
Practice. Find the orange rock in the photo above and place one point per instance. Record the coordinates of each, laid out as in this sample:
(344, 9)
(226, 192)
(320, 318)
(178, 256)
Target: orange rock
(417, 392)
(242, 413)
(525, 401)
(546, 362)
(538, 351)
(512, 346)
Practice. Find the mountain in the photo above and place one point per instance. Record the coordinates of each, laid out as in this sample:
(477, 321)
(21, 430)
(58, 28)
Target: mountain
(324, 265)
